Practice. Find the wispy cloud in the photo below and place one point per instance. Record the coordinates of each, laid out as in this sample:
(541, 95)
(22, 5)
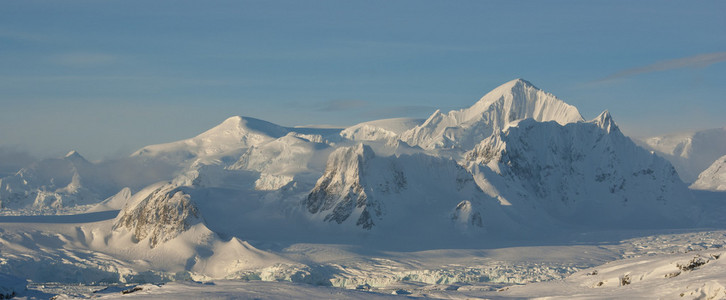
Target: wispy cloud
(341, 105)
(696, 61)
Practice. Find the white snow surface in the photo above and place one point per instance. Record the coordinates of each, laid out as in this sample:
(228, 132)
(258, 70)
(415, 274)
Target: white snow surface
(713, 178)
(516, 189)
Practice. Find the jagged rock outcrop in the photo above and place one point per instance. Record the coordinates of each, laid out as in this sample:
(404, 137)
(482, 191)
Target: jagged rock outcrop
(587, 173)
(363, 190)
(341, 191)
(158, 213)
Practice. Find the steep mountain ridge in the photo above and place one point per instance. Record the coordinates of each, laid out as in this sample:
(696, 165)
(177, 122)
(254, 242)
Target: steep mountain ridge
(585, 173)
(512, 101)
(406, 193)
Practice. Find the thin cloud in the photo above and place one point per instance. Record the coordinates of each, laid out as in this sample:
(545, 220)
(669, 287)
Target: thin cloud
(341, 105)
(696, 61)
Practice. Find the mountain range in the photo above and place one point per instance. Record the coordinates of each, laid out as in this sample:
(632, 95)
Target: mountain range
(517, 162)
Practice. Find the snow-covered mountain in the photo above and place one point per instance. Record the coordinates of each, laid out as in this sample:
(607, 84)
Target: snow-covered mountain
(585, 173)
(225, 139)
(50, 183)
(61, 185)
(690, 153)
(713, 178)
(533, 163)
(512, 101)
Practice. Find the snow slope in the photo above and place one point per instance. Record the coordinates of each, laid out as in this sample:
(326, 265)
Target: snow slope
(713, 178)
(512, 101)
(691, 153)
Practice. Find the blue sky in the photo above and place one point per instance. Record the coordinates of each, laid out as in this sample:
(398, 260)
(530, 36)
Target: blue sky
(108, 77)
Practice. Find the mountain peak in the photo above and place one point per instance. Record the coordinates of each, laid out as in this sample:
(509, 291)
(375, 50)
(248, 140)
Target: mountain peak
(512, 101)
(233, 120)
(237, 126)
(72, 153)
(74, 156)
(605, 121)
(520, 94)
(519, 82)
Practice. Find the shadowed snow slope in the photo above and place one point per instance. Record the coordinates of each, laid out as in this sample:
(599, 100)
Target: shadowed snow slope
(512, 101)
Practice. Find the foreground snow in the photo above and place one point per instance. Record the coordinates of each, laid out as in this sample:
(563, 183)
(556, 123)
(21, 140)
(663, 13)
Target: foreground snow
(197, 264)
(692, 275)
